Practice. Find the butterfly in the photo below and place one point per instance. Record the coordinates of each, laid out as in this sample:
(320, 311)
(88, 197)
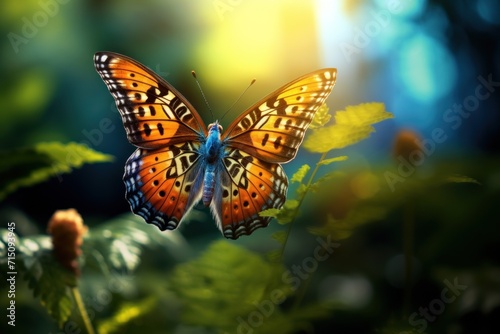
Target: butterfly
(178, 160)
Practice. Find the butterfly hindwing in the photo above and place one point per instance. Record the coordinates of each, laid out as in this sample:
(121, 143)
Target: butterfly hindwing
(153, 112)
(163, 184)
(273, 128)
(248, 185)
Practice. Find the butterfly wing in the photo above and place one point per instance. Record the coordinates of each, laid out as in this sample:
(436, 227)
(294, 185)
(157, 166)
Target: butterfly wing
(268, 133)
(153, 112)
(248, 185)
(163, 177)
(163, 184)
(273, 128)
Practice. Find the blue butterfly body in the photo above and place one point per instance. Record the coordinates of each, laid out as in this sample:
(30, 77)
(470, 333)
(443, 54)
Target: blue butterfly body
(212, 152)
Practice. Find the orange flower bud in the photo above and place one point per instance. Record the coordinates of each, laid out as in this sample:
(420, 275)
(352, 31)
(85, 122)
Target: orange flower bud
(406, 143)
(67, 230)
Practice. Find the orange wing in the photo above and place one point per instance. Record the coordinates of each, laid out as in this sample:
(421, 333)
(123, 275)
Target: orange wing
(163, 184)
(273, 128)
(247, 186)
(154, 113)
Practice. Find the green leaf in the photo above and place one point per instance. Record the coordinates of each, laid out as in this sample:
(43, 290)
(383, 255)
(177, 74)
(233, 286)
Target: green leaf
(288, 212)
(284, 215)
(127, 313)
(322, 180)
(325, 162)
(300, 173)
(363, 114)
(279, 236)
(274, 256)
(351, 126)
(119, 243)
(270, 213)
(321, 117)
(301, 190)
(49, 281)
(27, 166)
(52, 284)
(457, 178)
(340, 229)
(223, 284)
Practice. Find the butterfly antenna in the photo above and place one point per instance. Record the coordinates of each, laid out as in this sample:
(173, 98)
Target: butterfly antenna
(193, 73)
(239, 97)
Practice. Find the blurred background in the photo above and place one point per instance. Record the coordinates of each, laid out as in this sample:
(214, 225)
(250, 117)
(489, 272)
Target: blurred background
(435, 64)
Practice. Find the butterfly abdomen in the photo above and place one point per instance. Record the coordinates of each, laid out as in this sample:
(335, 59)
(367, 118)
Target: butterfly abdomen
(208, 185)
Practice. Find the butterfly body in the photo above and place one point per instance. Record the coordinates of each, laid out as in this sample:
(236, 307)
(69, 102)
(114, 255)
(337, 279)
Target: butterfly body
(213, 153)
(179, 161)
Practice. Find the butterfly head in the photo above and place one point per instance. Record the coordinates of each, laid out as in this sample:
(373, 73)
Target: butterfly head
(213, 143)
(214, 128)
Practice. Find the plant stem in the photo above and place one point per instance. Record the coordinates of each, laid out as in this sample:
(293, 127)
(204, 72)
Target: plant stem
(304, 287)
(309, 182)
(81, 308)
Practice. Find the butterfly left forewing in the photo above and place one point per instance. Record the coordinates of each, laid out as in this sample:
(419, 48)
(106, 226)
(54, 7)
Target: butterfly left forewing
(154, 113)
(273, 128)
(247, 186)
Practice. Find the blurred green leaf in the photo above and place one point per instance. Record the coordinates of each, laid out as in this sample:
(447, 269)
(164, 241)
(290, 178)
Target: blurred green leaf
(351, 126)
(224, 285)
(340, 229)
(461, 179)
(27, 166)
(301, 190)
(321, 117)
(274, 255)
(126, 313)
(279, 236)
(119, 243)
(284, 215)
(300, 173)
(331, 160)
(49, 281)
(52, 284)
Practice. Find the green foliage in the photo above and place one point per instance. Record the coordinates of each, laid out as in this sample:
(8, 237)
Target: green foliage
(126, 313)
(284, 215)
(50, 282)
(325, 162)
(279, 236)
(351, 126)
(227, 286)
(300, 173)
(321, 117)
(381, 198)
(456, 178)
(224, 283)
(26, 96)
(28, 166)
(340, 229)
(116, 245)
